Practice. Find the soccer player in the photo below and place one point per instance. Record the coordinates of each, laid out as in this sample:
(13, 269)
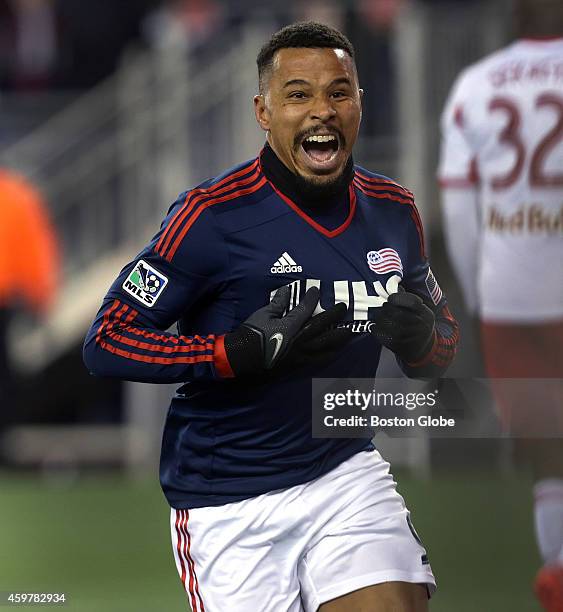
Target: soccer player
(501, 173)
(293, 265)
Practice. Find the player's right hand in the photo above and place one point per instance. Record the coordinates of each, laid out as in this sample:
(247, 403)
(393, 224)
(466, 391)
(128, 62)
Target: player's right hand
(269, 338)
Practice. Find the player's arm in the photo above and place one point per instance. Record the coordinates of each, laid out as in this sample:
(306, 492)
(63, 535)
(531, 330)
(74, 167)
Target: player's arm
(129, 339)
(415, 323)
(461, 225)
(458, 180)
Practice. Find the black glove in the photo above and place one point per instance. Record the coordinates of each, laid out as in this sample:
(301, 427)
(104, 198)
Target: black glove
(405, 325)
(319, 342)
(267, 339)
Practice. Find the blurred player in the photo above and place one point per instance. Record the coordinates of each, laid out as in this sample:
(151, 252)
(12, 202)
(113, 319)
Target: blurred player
(29, 266)
(286, 267)
(501, 173)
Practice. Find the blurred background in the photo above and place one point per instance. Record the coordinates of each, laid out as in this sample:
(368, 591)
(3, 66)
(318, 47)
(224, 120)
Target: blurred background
(108, 110)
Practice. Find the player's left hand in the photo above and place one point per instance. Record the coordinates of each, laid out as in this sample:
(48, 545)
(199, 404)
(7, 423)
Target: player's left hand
(405, 325)
(320, 340)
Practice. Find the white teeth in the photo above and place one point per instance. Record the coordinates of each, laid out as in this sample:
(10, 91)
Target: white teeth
(327, 138)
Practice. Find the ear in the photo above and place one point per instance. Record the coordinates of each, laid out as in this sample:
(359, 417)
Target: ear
(261, 112)
(361, 101)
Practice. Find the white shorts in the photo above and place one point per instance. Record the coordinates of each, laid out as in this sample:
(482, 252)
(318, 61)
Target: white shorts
(293, 549)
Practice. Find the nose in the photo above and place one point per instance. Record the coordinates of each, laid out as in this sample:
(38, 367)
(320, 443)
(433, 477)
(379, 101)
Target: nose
(322, 109)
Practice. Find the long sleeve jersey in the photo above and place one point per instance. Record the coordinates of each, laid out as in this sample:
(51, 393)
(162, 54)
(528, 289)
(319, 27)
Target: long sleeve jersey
(222, 251)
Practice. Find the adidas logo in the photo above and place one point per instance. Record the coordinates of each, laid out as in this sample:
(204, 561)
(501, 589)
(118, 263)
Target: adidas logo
(285, 264)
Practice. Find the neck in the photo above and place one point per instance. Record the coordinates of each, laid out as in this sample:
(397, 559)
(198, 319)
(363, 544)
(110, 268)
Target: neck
(304, 193)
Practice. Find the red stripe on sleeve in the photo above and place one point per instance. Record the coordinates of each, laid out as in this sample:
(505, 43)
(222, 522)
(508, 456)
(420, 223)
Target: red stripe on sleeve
(150, 359)
(162, 338)
(419, 228)
(172, 221)
(444, 348)
(167, 355)
(197, 196)
(381, 194)
(158, 348)
(202, 207)
(428, 357)
(105, 320)
(221, 362)
(383, 184)
(407, 199)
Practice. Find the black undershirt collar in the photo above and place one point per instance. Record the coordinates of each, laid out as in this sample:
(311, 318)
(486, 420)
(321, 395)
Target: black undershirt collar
(278, 173)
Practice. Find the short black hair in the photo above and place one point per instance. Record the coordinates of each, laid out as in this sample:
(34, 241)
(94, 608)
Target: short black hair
(304, 34)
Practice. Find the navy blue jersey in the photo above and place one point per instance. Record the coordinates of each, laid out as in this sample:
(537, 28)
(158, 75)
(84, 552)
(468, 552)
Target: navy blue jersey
(224, 248)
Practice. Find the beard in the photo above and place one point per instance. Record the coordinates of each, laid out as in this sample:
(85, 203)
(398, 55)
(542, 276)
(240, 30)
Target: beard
(317, 192)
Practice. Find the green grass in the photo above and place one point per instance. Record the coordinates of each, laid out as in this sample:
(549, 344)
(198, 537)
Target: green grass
(105, 542)
(478, 530)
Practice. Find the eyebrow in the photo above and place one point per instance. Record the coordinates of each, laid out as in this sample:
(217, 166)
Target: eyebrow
(295, 82)
(338, 81)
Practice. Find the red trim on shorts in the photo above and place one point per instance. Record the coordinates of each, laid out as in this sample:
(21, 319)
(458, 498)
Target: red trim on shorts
(190, 558)
(182, 548)
(179, 548)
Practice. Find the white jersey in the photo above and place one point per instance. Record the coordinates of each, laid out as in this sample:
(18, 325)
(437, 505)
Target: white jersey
(502, 132)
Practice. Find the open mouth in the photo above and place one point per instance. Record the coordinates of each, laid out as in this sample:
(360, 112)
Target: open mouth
(321, 149)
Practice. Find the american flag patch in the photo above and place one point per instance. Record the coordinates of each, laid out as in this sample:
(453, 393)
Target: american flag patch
(433, 287)
(384, 261)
